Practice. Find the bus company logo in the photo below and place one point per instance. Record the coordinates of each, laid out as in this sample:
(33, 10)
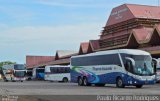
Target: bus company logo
(101, 68)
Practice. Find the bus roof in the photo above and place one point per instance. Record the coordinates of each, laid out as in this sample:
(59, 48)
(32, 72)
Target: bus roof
(126, 51)
(11, 66)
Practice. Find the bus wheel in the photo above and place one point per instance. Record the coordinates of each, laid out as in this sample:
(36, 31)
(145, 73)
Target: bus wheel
(139, 86)
(80, 81)
(65, 79)
(119, 83)
(5, 80)
(85, 82)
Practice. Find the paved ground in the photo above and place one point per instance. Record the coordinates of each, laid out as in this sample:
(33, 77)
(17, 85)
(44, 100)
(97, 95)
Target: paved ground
(54, 91)
(55, 88)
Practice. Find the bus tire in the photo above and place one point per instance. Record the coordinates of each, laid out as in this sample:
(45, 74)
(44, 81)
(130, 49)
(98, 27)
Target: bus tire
(5, 80)
(85, 82)
(119, 83)
(80, 81)
(65, 79)
(100, 84)
(139, 86)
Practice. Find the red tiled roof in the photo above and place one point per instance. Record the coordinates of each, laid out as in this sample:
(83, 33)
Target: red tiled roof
(84, 47)
(158, 28)
(142, 34)
(117, 34)
(94, 44)
(64, 54)
(32, 61)
(144, 11)
(130, 11)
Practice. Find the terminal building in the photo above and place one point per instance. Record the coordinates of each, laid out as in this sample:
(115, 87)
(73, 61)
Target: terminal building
(129, 26)
(62, 57)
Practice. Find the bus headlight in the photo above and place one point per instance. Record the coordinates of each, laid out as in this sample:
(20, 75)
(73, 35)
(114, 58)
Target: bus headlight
(130, 82)
(135, 81)
(137, 77)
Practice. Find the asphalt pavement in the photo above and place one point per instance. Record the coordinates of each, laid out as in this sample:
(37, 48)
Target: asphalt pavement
(48, 90)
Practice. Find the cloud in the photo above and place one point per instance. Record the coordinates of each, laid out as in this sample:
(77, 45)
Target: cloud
(44, 40)
(77, 32)
(60, 37)
(3, 26)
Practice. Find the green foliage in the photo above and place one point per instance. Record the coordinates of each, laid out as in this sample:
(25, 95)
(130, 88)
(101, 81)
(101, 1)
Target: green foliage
(6, 63)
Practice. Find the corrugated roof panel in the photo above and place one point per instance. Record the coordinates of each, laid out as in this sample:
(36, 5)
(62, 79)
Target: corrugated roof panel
(83, 47)
(143, 34)
(36, 60)
(144, 11)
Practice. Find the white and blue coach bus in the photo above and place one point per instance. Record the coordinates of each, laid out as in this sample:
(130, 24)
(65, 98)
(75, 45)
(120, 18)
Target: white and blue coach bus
(57, 73)
(123, 67)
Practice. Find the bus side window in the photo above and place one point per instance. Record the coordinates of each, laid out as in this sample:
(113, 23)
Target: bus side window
(62, 70)
(53, 70)
(67, 70)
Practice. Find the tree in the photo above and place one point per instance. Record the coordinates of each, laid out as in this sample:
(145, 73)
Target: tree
(6, 63)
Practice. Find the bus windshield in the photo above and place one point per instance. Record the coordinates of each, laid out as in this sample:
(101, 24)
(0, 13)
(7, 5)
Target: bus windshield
(142, 66)
(19, 73)
(19, 67)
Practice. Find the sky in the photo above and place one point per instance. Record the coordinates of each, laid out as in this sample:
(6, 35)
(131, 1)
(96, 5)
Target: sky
(41, 27)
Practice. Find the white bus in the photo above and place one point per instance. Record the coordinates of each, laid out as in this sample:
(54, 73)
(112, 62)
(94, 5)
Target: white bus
(14, 72)
(57, 73)
(123, 67)
(157, 64)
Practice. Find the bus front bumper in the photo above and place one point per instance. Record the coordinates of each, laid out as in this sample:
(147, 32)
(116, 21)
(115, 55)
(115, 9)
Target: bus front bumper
(141, 82)
(19, 79)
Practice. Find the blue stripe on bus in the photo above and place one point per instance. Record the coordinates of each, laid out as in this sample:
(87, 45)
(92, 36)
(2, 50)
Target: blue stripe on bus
(110, 78)
(40, 75)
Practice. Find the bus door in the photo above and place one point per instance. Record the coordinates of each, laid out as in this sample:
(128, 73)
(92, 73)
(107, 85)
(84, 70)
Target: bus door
(155, 64)
(40, 73)
(129, 68)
